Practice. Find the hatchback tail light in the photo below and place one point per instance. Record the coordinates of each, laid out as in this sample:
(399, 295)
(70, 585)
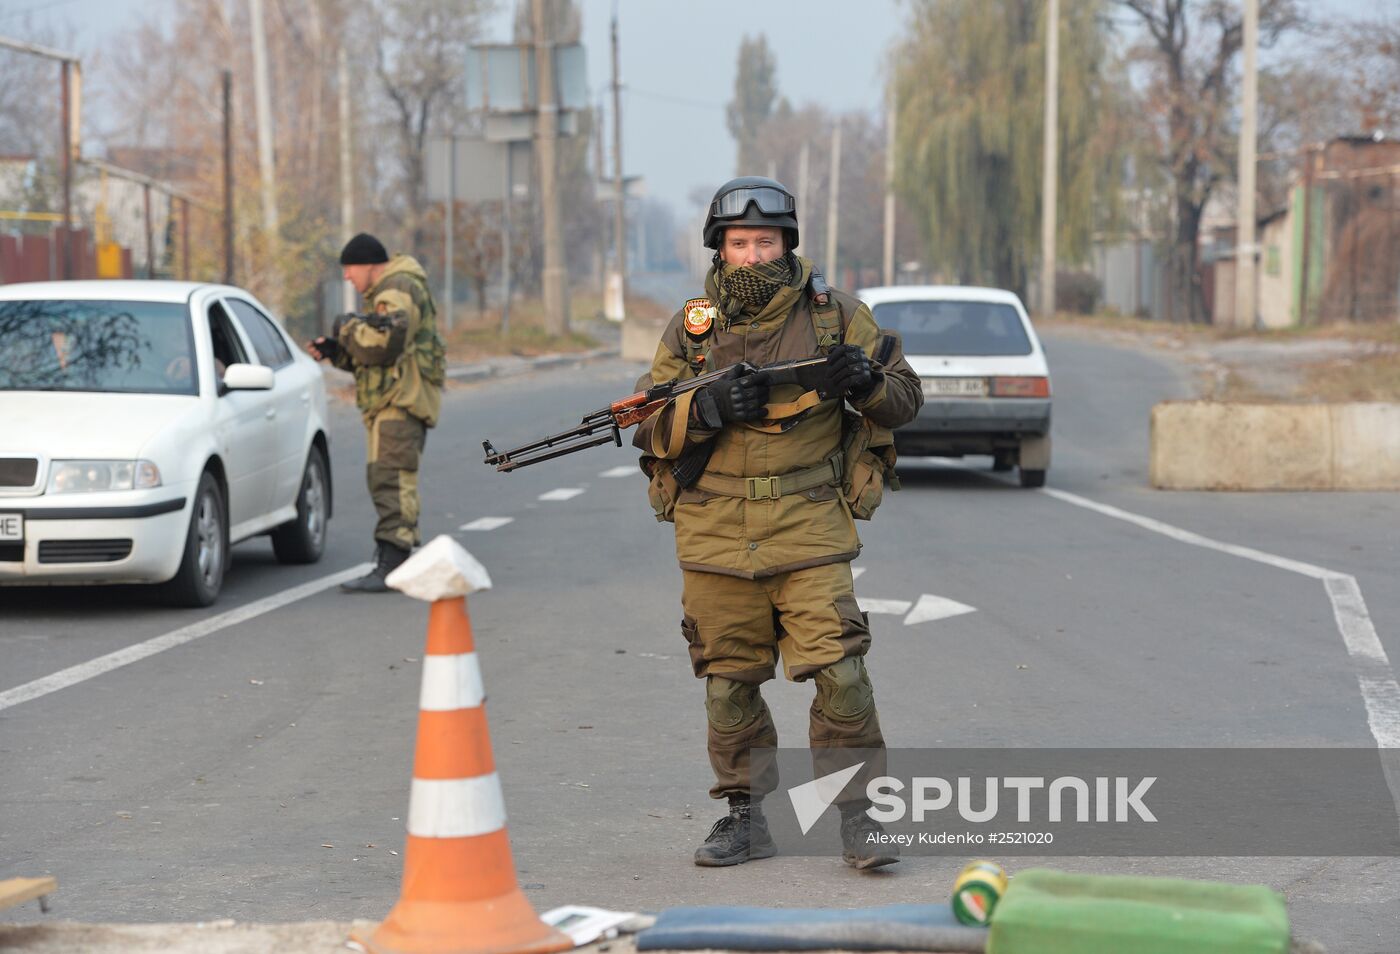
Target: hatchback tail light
(1021, 387)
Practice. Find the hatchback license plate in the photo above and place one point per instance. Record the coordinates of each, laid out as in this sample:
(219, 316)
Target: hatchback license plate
(955, 387)
(11, 528)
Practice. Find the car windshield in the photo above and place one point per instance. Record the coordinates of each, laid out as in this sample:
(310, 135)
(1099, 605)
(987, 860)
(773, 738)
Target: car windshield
(141, 347)
(955, 327)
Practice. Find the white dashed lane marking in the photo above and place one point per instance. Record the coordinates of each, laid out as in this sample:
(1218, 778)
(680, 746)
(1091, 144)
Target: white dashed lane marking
(856, 571)
(562, 493)
(486, 523)
(622, 472)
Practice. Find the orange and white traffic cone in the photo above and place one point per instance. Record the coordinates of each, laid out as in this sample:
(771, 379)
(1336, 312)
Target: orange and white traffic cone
(459, 893)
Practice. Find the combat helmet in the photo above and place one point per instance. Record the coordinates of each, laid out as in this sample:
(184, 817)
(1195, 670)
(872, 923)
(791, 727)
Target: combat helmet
(753, 201)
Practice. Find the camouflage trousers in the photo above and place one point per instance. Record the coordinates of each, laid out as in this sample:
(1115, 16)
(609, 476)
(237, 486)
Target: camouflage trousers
(396, 440)
(736, 629)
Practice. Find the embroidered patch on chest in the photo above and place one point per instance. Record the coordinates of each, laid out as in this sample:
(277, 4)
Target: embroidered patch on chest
(700, 314)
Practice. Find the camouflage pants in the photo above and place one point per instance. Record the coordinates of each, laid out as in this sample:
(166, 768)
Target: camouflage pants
(736, 629)
(396, 441)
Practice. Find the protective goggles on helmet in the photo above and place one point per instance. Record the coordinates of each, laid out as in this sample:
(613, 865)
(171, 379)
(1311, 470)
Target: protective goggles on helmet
(770, 201)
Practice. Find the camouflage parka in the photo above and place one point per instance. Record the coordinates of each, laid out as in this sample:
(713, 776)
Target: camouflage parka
(397, 357)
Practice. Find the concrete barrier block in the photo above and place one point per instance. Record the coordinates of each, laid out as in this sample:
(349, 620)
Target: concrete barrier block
(1205, 445)
(1366, 446)
(640, 338)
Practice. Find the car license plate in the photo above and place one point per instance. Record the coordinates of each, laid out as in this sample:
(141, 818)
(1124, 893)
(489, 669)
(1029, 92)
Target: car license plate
(955, 387)
(11, 528)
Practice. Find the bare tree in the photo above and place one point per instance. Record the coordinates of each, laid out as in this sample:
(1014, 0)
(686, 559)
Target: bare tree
(1190, 50)
(418, 48)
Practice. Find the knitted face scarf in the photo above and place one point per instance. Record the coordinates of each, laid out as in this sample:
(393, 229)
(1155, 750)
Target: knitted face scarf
(751, 287)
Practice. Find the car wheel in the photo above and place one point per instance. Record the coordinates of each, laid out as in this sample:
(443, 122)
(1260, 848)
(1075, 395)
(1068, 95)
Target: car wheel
(1032, 478)
(303, 540)
(201, 573)
(1003, 459)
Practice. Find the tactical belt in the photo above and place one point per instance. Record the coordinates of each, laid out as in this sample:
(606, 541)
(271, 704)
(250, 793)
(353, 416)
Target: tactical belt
(771, 488)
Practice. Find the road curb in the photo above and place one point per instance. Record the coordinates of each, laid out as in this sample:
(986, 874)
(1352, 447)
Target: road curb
(491, 368)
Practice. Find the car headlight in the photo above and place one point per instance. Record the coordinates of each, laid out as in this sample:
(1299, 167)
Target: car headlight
(88, 476)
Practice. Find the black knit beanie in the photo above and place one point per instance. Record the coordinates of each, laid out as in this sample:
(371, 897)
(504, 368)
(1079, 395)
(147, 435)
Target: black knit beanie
(363, 249)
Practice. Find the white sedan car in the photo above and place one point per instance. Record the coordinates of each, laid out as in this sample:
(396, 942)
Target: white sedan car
(146, 427)
(986, 383)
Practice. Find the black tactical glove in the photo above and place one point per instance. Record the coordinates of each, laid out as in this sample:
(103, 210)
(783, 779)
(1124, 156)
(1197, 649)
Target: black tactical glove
(850, 372)
(732, 399)
(328, 348)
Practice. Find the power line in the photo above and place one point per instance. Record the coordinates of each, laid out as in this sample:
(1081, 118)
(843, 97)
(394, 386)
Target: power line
(666, 98)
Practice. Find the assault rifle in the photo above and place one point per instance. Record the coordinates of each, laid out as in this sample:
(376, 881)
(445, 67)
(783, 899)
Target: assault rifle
(607, 424)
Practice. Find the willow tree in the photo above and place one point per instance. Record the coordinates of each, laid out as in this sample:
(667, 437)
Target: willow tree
(969, 88)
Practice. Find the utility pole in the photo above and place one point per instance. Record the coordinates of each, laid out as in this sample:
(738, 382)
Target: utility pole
(150, 235)
(833, 198)
(1244, 230)
(262, 99)
(447, 290)
(600, 248)
(889, 188)
(1050, 164)
(228, 176)
(804, 174)
(555, 276)
(620, 198)
(67, 178)
(347, 192)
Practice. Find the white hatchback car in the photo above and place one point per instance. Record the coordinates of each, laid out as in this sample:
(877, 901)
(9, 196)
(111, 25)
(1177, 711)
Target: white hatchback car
(145, 427)
(986, 383)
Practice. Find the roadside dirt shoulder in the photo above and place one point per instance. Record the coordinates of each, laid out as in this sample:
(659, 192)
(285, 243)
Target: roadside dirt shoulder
(1339, 363)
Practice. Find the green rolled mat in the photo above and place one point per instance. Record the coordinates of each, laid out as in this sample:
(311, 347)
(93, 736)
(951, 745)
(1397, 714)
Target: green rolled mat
(1051, 912)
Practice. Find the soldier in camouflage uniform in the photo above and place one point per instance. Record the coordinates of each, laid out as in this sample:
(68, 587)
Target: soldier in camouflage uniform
(397, 358)
(764, 490)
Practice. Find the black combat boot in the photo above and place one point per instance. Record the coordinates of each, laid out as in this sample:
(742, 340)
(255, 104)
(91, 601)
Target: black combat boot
(863, 840)
(740, 836)
(387, 559)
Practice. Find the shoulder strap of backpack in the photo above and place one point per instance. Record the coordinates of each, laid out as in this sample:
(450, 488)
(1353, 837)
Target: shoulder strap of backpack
(827, 320)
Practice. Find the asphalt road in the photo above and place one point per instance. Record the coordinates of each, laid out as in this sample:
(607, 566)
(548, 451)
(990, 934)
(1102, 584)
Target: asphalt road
(261, 772)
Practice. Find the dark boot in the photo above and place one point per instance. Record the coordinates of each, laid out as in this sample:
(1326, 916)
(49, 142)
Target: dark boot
(862, 840)
(386, 561)
(740, 836)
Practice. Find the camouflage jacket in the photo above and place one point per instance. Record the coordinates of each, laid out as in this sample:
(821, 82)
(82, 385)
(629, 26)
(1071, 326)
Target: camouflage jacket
(758, 538)
(395, 351)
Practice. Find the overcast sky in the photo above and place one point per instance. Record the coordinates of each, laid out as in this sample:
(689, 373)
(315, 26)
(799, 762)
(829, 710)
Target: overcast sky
(678, 60)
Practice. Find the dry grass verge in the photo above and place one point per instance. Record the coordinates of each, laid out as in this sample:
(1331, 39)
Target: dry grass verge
(1327, 363)
(478, 333)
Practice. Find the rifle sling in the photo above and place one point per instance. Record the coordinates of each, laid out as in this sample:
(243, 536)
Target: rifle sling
(775, 414)
(828, 472)
(668, 444)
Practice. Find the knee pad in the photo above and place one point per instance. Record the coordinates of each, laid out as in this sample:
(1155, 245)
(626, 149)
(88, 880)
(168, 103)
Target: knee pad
(731, 706)
(844, 692)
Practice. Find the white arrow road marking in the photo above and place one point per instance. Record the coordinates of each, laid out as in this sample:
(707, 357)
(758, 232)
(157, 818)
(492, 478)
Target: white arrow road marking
(622, 472)
(856, 571)
(932, 607)
(562, 493)
(892, 607)
(486, 523)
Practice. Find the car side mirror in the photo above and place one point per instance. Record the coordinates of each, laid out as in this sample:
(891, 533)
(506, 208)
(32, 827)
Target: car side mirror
(248, 377)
